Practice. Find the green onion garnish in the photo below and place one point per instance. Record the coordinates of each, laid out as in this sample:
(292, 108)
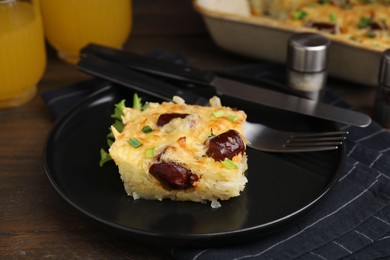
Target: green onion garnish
(333, 17)
(364, 22)
(218, 113)
(137, 102)
(149, 153)
(147, 129)
(104, 157)
(134, 142)
(232, 118)
(370, 35)
(229, 164)
(299, 14)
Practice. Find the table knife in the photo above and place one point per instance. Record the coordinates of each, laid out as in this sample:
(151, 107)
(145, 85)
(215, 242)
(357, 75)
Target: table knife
(226, 86)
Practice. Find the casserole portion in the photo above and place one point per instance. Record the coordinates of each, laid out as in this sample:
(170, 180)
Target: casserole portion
(363, 22)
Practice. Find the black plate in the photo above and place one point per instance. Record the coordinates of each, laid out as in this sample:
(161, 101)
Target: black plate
(281, 186)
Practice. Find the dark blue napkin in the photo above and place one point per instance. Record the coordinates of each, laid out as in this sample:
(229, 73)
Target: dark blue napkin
(351, 222)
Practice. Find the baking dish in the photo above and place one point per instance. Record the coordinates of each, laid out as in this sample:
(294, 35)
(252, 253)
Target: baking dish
(232, 27)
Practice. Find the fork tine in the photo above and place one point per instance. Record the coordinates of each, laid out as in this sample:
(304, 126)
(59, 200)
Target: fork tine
(316, 144)
(320, 134)
(308, 148)
(264, 138)
(316, 139)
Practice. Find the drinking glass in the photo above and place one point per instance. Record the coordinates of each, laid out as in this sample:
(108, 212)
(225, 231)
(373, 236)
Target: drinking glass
(22, 51)
(71, 24)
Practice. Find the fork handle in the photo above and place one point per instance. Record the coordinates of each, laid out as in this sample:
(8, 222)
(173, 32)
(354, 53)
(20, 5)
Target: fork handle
(137, 81)
(150, 65)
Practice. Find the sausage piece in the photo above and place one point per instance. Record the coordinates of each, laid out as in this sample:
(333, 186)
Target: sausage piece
(167, 117)
(225, 145)
(173, 176)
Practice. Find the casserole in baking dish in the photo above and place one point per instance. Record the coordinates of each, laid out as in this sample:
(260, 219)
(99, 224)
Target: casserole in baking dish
(261, 28)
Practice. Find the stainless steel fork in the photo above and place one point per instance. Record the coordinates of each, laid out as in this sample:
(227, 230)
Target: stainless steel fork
(267, 139)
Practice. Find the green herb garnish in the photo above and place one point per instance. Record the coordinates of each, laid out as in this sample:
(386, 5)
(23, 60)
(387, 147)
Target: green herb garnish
(323, 1)
(229, 164)
(134, 142)
(333, 17)
(299, 14)
(104, 157)
(150, 153)
(232, 118)
(364, 22)
(370, 35)
(218, 113)
(118, 125)
(118, 112)
(147, 129)
(145, 106)
(137, 102)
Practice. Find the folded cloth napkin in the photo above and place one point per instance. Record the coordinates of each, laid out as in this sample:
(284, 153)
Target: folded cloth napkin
(351, 222)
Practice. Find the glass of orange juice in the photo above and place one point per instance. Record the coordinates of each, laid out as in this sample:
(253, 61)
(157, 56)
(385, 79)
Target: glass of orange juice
(72, 24)
(22, 51)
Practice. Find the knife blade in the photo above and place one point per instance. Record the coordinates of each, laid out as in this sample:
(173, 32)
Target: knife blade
(227, 87)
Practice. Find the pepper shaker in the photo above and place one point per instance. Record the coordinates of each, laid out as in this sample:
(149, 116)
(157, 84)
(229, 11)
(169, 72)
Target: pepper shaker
(307, 64)
(382, 97)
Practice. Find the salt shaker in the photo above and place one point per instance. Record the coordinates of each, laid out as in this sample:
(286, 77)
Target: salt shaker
(307, 64)
(382, 97)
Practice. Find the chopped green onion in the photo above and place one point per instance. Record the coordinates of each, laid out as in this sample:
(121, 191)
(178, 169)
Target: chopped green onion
(299, 14)
(137, 102)
(229, 164)
(134, 142)
(218, 113)
(347, 6)
(370, 35)
(364, 22)
(232, 118)
(333, 17)
(147, 129)
(104, 157)
(118, 112)
(150, 153)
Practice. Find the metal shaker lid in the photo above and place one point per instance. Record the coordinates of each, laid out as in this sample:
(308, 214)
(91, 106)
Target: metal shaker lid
(384, 71)
(307, 52)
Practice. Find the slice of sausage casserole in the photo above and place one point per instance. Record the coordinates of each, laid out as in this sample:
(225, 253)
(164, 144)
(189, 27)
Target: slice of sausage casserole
(182, 152)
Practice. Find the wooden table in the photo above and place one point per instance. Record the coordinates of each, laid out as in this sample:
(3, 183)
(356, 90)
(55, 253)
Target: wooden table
(34, 221)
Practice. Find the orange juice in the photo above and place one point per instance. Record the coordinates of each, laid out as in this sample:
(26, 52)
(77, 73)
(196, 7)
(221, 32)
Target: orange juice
(22, 52)
(72, 24)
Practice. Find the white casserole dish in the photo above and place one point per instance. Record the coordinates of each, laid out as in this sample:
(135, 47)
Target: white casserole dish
(233, 28)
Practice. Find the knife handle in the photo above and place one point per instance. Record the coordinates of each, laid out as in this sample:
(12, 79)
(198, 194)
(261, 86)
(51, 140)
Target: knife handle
(137, 81)
(150, 65)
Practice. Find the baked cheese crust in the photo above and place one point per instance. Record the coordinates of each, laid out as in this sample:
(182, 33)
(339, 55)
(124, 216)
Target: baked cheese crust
(359, 22)
(182, 138)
